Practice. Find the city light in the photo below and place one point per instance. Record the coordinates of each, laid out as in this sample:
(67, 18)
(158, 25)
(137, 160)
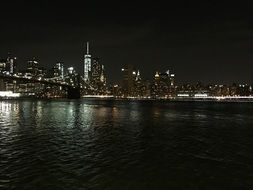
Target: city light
(9, 94)
(35, 81)
(183, 95)
(200, 95)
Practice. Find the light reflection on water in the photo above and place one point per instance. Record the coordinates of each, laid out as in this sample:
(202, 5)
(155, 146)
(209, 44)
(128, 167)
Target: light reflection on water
(101, 144)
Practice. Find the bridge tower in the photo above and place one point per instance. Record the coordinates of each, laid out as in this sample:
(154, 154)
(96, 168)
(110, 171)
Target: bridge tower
(74, 92)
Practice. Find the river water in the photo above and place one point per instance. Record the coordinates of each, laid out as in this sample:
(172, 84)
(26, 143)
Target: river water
(110, 144)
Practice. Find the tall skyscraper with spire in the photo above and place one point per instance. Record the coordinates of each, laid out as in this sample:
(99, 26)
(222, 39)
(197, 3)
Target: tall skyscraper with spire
(87, 64)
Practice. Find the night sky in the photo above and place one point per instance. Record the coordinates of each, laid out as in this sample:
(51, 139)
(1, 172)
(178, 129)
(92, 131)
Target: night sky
(209, 42)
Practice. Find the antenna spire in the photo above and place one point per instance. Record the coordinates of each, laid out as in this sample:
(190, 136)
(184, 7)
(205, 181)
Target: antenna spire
(88, 48)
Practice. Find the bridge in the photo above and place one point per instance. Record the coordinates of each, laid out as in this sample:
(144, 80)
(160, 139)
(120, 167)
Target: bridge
(73, 91)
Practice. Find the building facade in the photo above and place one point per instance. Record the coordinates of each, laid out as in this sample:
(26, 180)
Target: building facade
(87, 65)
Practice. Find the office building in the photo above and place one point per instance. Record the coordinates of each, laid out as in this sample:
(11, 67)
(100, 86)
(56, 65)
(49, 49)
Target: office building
(129, 78)
(58, 70)
(97, 72)
(164, 85)
(11, 64)
(87, 65)
(2, 65)
(32, 68)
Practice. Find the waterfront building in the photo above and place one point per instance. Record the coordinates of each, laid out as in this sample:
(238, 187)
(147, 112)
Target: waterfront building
(2, 85)
(98, 79)
(72, 77)
(164, 85)
(243, 90)
(116, 90)
(140, 87)
(129, 76)
(172, 80)
(97, 72)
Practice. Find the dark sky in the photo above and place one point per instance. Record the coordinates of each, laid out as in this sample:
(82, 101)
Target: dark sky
(198, 41)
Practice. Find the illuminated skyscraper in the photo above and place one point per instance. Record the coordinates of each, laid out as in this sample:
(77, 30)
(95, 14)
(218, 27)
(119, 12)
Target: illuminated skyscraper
(97, 72)
(32, 67)
(98, 79)
(138, 76)
(129, 77)
(70, 71)
(164, 84)
(2, 65)
(59, 70)
(87, 65)
(9, 65)
(11, 62)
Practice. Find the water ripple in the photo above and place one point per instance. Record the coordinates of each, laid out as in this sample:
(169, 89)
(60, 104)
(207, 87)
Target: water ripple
(125, 145)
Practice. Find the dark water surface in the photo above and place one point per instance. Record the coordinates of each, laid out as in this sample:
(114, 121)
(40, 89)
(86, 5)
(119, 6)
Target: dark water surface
(97, 144)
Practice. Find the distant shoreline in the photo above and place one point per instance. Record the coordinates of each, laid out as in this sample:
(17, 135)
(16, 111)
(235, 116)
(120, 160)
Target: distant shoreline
(189, 100)
(235, 100)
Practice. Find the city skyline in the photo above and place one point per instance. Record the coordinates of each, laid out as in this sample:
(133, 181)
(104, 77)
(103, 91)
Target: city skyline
(60, 81)
(198, 40)
(20, 67)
